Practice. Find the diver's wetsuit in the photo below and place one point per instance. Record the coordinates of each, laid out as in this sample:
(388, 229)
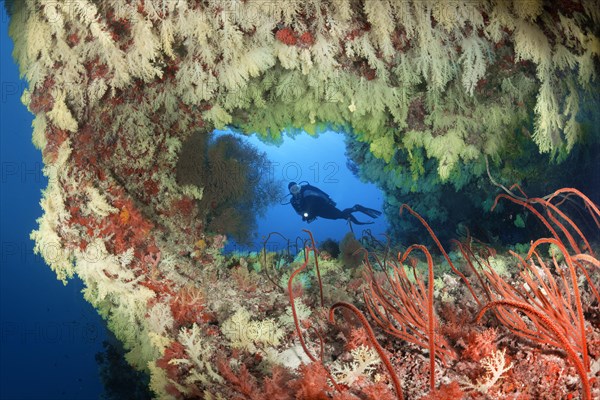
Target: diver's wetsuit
(311, 202)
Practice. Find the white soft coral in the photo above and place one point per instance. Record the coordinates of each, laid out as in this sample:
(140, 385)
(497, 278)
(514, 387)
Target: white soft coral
(495, 367)
(363, 364)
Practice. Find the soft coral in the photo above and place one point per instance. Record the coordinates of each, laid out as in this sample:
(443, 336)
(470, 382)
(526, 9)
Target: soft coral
(188, 306)
(243, 382)
(312, 383)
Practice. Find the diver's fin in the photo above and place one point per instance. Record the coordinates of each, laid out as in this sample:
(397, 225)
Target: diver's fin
(357, 222)
(368, 211)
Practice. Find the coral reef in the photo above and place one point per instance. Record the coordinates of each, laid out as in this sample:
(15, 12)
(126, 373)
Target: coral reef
(125, 92)
(461, 204)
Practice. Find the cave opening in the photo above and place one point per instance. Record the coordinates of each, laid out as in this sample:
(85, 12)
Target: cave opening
(248, 198)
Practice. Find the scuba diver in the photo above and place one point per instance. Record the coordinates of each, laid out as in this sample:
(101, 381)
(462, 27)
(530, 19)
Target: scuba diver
(311, 202)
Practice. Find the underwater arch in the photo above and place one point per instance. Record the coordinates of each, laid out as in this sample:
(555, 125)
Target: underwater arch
(428, 92)
(318, 159)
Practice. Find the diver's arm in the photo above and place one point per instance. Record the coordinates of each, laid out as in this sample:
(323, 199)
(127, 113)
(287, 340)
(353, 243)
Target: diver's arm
(308, 212)
(297, 206)
(308, 219)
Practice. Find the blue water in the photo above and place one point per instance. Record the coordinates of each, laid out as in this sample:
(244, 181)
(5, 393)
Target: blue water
(321, 162)
(48, 334)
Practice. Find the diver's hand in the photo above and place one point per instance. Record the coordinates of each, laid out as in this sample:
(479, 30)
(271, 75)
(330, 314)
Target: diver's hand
(306, 216)
(308, 219)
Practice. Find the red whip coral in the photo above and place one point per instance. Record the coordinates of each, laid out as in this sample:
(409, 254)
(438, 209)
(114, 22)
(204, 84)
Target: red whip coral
(544, 321)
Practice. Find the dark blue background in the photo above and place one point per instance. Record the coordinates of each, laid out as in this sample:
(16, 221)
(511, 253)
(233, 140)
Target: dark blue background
(49, 335)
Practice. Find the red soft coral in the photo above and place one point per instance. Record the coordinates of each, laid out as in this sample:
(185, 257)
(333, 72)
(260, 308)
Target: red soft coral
(358, 337)
(275, 388)
(287, 36)
(188, 306)
(451, 391)
(378, 391)
(174, 371)
(312, 383)
(480, 344)
(307, 39)
(241, 381)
